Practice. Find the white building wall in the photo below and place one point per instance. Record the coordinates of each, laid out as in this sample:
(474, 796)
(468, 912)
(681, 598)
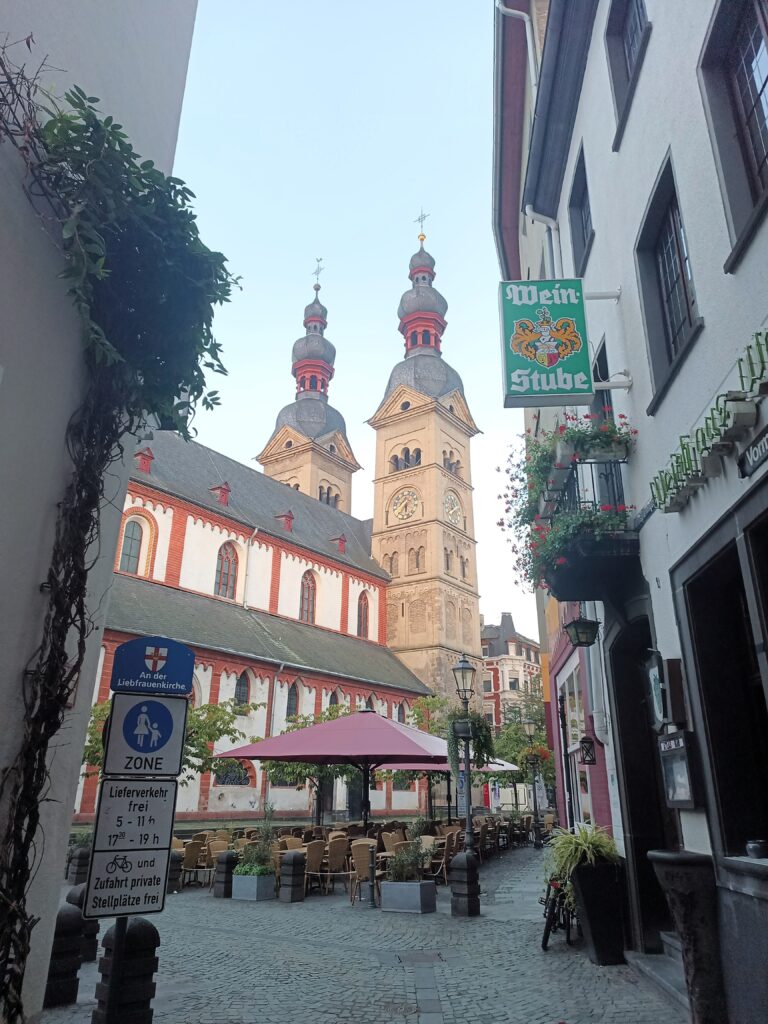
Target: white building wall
(732, 305)
(140, 82)
(259, 576)
(201, 549)
(163, 519)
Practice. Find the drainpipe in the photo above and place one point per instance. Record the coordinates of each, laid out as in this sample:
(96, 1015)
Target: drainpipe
(533, 62)
(597, 684)
(247, 563)
(554, 239)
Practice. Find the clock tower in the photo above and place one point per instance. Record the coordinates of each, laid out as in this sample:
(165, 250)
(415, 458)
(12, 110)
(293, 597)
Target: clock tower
(423, 526)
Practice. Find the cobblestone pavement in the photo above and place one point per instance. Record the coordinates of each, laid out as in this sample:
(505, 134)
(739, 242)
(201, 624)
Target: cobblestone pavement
(324, 961)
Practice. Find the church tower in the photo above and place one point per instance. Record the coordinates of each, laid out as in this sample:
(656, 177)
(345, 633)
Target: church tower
(423, 526)
(309, 449)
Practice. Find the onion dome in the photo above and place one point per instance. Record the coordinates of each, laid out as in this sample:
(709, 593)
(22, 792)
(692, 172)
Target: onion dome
(316, 311)
(422, 309)
(421, 313)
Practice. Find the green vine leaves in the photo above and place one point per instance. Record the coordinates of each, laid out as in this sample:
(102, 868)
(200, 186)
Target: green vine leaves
(138, 273)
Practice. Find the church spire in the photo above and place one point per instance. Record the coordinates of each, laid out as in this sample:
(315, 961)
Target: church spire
(314, 355)
(422, 309)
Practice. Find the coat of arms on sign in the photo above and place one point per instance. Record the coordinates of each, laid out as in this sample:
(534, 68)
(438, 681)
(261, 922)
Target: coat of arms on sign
(155, 658)
(545, 341)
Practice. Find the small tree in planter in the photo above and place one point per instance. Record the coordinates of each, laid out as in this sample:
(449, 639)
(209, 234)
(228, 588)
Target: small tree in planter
(254, 876)
(589, 859)
(405, 890)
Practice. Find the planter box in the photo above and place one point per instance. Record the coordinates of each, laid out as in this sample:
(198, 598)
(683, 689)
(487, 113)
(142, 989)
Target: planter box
(409, 897)
(253, 887)
(617, 452)
(599, 898)
(77, 872)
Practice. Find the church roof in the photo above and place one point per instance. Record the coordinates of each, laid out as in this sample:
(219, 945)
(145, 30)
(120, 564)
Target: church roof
(142, 607)
(426, 372)
(187, 470)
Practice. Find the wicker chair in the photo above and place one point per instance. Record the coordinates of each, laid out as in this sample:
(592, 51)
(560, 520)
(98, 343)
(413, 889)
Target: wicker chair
(361, 868)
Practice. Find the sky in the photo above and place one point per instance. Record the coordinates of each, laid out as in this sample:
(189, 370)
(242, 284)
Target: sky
(320, 129)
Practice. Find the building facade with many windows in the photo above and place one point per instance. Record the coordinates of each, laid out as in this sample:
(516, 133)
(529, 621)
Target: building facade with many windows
(512, 672)
(644, 175)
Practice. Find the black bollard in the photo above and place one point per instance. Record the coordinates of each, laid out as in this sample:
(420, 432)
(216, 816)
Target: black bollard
(222, 880)
(89, 944)
(174, 871)
(292, 866)
(78, 865)
(61, 987)
(464, 880)
(131, 968)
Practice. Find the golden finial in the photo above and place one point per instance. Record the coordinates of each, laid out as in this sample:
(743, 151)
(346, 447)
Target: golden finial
(420, 221)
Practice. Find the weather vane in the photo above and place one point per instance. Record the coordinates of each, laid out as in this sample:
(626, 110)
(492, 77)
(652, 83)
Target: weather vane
(318, 270)
(420, 221)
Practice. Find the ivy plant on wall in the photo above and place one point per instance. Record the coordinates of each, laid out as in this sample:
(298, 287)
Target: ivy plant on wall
(145, 287)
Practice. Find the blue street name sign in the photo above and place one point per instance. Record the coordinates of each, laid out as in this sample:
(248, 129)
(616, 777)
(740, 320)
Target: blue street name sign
(153, 664)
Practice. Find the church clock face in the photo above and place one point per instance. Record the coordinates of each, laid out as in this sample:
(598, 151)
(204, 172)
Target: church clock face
(452, 508)
(405, 503)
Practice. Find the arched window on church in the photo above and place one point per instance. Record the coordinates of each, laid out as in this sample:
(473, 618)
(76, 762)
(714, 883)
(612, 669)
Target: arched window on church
(369, 704)
(416, 457)
(292, 701)
(296, 487)
(405, 455)
(421, 556)
(333, 700)
(313, 383)
(464, 568)
(414, 339)
(425, 337)
(394, 464)
(413, 564)
(321, 494)
(395, 565)
(242, 689)
(129, 556)
(308, 595)
(401, 713)
(226, 571)
(448, 559)
(362, 616)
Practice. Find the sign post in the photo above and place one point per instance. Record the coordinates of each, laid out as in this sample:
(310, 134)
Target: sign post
(544, 344)
(151, 679)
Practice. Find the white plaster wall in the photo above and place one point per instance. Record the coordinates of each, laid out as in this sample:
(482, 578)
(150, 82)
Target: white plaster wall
(356, 587)
(141, 82)
(203, 677)
(201, 549)
(306, 704)
(732, 305)
(259, 575)
(287, 798)
(405, 800)
(328, 595)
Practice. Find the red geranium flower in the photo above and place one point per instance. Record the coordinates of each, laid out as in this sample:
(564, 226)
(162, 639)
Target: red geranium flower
(606, 508)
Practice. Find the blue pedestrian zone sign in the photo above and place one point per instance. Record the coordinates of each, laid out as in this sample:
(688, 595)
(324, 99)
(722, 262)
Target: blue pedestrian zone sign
(153, 664)
(148, 726)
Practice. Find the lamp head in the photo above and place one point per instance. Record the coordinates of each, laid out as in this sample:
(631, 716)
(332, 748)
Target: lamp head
(464, 674)
(529, 728)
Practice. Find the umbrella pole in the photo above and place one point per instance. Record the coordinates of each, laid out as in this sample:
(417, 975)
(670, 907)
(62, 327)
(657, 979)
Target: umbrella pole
(448, 780)
(366, 795)
(430, 807)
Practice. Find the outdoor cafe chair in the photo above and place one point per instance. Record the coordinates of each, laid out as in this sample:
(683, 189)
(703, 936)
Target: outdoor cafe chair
(315, 851)
(335, 862)
(427, 842)
(335, 834)
(441, 859)
(199, 837)
(361, 869)
(176, 844)
(292, 842)
(222, 833)
(389, 841)
(190, 866)
(308, 835)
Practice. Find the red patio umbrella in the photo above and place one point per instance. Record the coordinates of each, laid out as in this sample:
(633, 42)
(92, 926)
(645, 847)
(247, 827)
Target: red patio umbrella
(364, 740)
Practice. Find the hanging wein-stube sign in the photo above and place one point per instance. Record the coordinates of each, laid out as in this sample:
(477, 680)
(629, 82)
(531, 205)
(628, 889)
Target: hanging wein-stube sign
(544, 343)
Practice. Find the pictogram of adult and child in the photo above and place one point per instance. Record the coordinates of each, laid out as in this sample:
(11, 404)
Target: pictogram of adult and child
(147, 726)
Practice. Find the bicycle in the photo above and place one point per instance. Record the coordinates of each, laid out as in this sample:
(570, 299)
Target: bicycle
(557, 913)
(119, 862)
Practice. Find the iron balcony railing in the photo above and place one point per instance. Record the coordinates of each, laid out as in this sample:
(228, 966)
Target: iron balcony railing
(591, 486)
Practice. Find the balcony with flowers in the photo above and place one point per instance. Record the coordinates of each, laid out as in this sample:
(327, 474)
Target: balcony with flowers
(565, 508)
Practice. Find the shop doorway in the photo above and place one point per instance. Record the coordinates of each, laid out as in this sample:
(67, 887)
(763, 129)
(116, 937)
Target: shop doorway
(648, 824)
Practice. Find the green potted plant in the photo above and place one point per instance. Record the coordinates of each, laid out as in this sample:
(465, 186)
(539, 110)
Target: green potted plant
(405, 891)
(254, 876)
(588, 857)
(79, 857)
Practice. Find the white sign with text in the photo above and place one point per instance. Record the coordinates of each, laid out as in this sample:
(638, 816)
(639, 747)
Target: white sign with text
(146, 735)
(126, 882)
(135, 814)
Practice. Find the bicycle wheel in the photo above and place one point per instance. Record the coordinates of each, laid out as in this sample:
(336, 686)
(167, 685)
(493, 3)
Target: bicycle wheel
(549, 923)
(568, 922)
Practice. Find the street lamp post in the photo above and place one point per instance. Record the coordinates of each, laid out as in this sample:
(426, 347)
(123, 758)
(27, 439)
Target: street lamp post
(533, 764)
(464, 673)
(465, 883)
